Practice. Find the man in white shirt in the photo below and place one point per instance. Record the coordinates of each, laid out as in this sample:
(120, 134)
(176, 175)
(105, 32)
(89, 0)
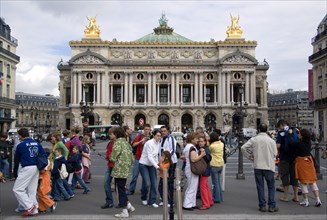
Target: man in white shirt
(262, 150)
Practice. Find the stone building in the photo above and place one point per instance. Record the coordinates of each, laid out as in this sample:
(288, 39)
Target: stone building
(164, 78)
(319, 79)
(8, 62)
(292, 106)
(38, 113)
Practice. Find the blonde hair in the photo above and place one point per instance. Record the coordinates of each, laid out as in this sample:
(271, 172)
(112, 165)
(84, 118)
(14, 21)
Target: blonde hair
(85, 139)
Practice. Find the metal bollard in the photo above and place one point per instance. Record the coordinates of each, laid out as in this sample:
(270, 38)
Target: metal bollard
(171, 196)
(317, 159)
(178, 194)
(164, 194)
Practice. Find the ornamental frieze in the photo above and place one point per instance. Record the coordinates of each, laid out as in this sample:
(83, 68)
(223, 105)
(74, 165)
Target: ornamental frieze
(186, 54)
(88, 59)
(117, 54)
(163, 53)
(140, 53)
(209, 54)
(237, 59)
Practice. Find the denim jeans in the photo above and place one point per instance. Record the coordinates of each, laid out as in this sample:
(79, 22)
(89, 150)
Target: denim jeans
(107, 186)
(268, 175)
(78, 178)
(4, 167)
(135, 175)
(217, 194)
(59, 188)
(149, 176)
(67, 187)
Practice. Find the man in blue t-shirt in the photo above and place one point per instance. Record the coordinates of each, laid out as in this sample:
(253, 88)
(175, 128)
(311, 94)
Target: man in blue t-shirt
(25, 187)
(286, 164)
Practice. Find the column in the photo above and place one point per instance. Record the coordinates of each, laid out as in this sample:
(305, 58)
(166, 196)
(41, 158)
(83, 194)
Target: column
(104, 89)
(228, 87)
(74, 91)
(78, 90)
(169, 86)
(215, 93)
(111, 94)
(247, 86)
(220, 94)
(134, 96)
(201, 90)
(232, 91)
(149, 74)
(172, 97)
(181, 97)
(253, 88)
(130, 84)
(94, 90)
(177, 89)
(205, 94)
(83, 92)
(98, 97)
(158, 93)
(192, 94)
(126, 88)
(223, 88)
(196, 89)
(154, 88)
(122, 93)
(145, 98)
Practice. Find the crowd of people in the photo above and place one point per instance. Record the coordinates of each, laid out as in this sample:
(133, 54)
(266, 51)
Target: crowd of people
(149, 154)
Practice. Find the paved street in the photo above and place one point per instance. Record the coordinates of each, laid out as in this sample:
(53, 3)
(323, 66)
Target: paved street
(240, 199)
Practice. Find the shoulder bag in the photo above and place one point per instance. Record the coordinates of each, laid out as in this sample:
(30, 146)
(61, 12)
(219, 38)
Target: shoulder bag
(198, 167)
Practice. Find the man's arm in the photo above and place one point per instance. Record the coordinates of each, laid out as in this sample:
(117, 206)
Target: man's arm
(247, 149)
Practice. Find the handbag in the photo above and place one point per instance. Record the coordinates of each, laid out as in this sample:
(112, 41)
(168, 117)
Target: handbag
(198, 167)
(63, 172)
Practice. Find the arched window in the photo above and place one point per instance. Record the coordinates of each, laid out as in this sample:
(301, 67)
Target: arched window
(163, 119)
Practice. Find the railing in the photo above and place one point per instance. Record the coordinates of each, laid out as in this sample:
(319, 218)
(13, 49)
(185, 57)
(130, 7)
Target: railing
(318, 36)
(318, 54)
(9, 37)
(7, 100)
(8, 53)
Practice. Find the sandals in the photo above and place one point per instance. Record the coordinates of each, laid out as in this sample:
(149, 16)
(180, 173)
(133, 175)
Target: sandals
(283, 200)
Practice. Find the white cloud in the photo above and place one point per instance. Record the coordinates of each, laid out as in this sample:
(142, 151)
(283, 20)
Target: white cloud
(283, 30)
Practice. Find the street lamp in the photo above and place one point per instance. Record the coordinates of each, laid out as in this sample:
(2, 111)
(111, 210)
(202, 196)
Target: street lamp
(86, 109)
(36, 116)
(239, 116)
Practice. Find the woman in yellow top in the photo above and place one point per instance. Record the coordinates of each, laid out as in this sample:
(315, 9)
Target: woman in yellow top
(216, 148)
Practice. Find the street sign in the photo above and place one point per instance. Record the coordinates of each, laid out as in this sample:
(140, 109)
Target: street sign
(141, 121)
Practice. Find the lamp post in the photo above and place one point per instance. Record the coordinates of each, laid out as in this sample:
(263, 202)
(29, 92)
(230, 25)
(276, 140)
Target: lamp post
(86, 109)
(36, 116)
(239, 115)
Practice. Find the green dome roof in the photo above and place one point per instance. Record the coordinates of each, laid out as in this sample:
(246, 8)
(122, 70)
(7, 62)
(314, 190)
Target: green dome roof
(163, 33)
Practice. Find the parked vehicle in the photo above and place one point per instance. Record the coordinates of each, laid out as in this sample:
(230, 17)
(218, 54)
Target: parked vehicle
(101, 131)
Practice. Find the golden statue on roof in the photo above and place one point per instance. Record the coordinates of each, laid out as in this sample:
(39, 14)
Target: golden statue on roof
(234, 31)
(92, 30)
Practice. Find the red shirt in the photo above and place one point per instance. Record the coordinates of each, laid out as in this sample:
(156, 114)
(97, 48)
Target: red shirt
(139, 148)
(108, 153)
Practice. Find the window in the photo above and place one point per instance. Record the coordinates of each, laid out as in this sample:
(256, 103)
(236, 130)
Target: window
(210, 96)
(68, 100)
(187, 76)
(117, 96)
(140, 93)
(1, 44)
(187, 93)
(163, 76)
(89, 76)
(117, 76)
(8, 70)
(140, 76)
(8, 90)
(1, 66)
(209, 76)
(8, 47)
(163, 94)
(258, 96)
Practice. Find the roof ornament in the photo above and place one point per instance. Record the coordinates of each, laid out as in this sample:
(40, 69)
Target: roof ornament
(234, 31)
(163, 20)
(92, 30)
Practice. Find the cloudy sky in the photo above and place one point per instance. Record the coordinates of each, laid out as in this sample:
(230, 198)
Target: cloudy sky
(283, 30)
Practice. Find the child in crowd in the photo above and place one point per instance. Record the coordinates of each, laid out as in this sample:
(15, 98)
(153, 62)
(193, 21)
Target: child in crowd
(164, 163)
(57, 182)
(75, 160)
(86, 158)
(44, 188)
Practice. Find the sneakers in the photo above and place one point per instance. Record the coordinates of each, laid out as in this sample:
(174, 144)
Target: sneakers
(262, 209)
(161, 204)
(318, 203)
(86, 191)
(130, 208)
(53, 207)
(106, 206)
(273, 209)
(154, 205)
(29, 211)
(123, 214)
(304, 203)
(144, 202)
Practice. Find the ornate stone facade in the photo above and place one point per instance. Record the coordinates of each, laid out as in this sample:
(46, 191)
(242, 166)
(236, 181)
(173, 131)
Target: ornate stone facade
(181, 83)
